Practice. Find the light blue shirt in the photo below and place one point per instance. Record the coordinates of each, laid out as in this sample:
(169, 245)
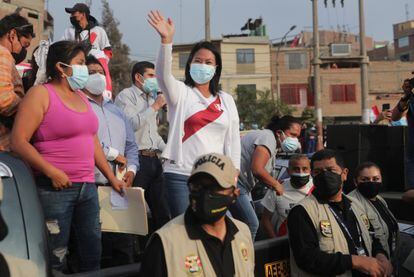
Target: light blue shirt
(137, 107)
(116, 136)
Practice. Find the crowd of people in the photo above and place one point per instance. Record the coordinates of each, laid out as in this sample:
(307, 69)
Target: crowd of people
(76, 136)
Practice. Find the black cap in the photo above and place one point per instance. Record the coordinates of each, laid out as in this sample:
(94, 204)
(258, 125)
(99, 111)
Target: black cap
(79, 7)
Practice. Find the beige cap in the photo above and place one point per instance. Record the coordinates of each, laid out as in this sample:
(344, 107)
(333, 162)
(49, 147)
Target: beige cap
(220, 167)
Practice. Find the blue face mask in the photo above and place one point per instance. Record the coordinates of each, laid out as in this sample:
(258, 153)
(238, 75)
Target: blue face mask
(290, 144)
(151, 86)
(79, 78)
(202, 73)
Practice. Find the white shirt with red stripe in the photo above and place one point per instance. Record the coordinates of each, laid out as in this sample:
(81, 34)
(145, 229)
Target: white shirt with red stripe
(280, 205)
(198, 125)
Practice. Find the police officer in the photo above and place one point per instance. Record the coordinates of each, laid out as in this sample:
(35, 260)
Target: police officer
(368, 181)
(329, 232)
(204, 241)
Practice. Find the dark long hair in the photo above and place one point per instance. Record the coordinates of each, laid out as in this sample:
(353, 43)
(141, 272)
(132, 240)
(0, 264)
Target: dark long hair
(62, 51)
(363, 166)
(282, 123)
(214, 83)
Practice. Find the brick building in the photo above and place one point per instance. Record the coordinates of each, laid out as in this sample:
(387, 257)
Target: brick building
(34, 11)
(339, 76)
(404, 40)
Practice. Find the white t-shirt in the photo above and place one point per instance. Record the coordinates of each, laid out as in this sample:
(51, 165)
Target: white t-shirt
(98, 37)
(200, 141)
(198, 125)
(280, 205)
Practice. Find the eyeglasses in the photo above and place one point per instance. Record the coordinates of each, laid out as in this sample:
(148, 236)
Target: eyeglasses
(26, 30)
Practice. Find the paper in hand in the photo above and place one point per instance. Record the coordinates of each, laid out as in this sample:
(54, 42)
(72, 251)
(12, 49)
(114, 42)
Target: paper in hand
(118, 202)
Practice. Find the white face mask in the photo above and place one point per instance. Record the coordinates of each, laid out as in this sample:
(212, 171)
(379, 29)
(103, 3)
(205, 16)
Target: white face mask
(96, 84)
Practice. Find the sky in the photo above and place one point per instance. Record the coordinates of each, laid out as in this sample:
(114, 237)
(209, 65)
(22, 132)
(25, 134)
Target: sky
(228, 16)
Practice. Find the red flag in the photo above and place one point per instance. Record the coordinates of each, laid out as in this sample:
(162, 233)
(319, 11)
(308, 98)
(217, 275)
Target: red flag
(295, 41)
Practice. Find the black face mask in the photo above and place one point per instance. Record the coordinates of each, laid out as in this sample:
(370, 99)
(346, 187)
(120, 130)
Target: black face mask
(19, 57)
(209, 206)
(327, 184)
(74, 22)
(299, 181)
(369, 189)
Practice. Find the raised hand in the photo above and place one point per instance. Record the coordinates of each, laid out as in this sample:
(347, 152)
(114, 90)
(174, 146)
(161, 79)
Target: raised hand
(164, 27)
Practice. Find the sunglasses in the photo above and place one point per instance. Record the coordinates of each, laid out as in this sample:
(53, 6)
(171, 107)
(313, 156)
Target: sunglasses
(26, 30)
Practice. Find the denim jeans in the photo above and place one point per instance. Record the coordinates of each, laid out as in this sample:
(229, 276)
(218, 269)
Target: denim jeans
(74, 210)
(150, 178)
(243, 210)
(177, 193)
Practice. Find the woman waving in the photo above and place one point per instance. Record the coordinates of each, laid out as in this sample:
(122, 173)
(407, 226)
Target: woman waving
(203, 119)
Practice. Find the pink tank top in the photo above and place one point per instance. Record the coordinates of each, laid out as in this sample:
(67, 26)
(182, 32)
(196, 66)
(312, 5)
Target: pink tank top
(65, 138)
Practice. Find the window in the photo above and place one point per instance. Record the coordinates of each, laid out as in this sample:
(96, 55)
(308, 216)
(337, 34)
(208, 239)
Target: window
(405, 58)
(182, 60)
(296, 60)
(343, 93)
(292, 94)
(403, 42)
(245, 56)
(33, 15)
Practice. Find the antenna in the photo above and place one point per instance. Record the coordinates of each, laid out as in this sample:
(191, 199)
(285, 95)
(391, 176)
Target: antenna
(407, 12)
(181, 21)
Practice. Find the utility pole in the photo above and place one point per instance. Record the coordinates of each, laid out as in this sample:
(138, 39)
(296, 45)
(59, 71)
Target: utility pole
(207, 19)
(316, 62)
(364, 66)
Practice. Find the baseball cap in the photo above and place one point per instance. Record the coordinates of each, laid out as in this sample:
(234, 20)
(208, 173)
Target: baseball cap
(79, 7)
(219, 167)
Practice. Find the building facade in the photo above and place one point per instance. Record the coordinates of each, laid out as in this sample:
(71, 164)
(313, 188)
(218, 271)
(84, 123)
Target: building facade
(34, 11)
(404, 40)
(339, 80)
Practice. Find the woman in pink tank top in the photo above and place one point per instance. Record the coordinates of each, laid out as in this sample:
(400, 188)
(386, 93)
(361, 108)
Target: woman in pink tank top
(55, 132)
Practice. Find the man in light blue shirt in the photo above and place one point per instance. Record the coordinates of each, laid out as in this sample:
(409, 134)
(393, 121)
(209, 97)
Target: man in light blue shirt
(118, 142)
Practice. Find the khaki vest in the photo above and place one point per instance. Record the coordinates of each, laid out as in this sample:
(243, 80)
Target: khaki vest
(186, 257)
(331, 237)
(378, 224)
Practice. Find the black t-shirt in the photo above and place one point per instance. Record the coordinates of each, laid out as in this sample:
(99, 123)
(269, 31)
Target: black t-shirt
(392, 224)
(220, 253)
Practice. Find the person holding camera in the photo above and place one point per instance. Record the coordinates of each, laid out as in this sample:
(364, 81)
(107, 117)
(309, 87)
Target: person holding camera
(405, 107)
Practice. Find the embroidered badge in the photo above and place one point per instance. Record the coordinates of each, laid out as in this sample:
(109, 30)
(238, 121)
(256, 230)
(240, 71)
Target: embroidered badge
(365, 220)
(193, 265)
(326, 228)
(243, 251)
